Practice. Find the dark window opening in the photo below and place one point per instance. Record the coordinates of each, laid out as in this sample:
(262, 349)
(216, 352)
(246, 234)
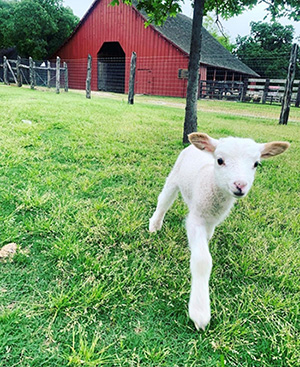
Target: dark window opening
(183, 74)
(111, 68)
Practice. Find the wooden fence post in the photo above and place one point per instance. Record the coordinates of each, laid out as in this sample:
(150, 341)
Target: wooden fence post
(66, 77)
(48, 74)
(266, 90)
(244, 92)
(5, 70)
(132, 78)
(286, 102)
(19, 75)
(57, 74)
(34, 73)
(11, 71)
(297, 103)
(88, 77)
(200, 94)
(31, 73)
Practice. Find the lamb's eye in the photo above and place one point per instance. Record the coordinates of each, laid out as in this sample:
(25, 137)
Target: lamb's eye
(220, 161)
(256, 164)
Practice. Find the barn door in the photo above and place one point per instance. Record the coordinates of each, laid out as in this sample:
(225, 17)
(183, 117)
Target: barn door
(145, 81)
(111, 68)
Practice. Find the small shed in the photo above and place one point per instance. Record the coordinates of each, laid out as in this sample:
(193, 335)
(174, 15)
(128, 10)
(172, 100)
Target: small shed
(111, 33)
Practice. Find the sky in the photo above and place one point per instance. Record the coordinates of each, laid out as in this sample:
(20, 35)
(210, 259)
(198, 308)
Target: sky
(233, 27)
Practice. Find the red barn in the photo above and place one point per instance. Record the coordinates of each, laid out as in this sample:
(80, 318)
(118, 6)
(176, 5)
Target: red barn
(111, 33)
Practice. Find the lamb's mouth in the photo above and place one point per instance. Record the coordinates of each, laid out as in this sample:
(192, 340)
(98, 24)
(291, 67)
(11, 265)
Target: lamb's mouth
(239, 194)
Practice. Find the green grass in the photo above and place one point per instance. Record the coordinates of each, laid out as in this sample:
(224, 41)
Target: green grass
(89, 286)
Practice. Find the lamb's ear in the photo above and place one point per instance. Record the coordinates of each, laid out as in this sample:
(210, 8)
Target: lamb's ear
(203, 142)
(269, 150)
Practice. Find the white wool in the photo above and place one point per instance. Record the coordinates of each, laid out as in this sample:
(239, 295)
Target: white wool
(211, 175)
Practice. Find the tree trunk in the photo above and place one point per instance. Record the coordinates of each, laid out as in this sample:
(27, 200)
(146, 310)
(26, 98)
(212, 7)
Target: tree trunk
(190, 121)
(288, 90)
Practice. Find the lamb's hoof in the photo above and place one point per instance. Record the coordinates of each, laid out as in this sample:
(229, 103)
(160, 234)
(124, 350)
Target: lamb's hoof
(154, 225)
(198, 327)
(200, 318)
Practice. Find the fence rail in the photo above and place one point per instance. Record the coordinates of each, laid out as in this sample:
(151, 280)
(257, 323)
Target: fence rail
(230, 90)
(41, 73)
(269, 90)
(257, 90)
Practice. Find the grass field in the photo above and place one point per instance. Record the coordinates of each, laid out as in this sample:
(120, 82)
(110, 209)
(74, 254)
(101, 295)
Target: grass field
(89, 286)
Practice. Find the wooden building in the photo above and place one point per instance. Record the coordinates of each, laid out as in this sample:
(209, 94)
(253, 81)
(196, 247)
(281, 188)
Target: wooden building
(111, 33)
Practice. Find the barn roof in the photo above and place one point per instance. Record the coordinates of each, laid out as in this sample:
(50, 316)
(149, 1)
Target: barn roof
(179, 29)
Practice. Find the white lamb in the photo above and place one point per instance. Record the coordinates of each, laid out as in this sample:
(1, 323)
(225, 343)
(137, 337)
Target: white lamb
(210, 174)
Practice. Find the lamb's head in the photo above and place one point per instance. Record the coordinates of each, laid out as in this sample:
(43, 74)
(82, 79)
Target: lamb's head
(236, 160)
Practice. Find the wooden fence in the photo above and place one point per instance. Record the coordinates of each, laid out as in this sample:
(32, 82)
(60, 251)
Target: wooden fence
(251, 90)
(22, 71)
(17, 71)
(269, 90)
(229, 90)
(257, 90)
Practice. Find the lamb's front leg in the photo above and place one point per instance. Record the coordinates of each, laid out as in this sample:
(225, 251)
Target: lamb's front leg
(201, 264)
(165, 200)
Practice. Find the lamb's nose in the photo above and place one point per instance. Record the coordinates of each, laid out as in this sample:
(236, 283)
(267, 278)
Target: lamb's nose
(240, 185)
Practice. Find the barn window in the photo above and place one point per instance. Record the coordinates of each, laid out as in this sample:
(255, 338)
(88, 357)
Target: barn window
(182, 73)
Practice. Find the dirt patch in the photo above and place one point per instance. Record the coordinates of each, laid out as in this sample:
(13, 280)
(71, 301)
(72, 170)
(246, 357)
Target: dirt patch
(8, 250)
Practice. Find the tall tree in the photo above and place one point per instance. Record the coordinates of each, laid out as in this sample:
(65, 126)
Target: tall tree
(267, 49)
(159, 10)
(214, 27)
(35, 27)
(190, 119)
(6, 9)
(32, 25)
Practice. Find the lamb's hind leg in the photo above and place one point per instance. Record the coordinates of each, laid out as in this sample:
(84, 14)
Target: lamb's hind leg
(165, 201)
